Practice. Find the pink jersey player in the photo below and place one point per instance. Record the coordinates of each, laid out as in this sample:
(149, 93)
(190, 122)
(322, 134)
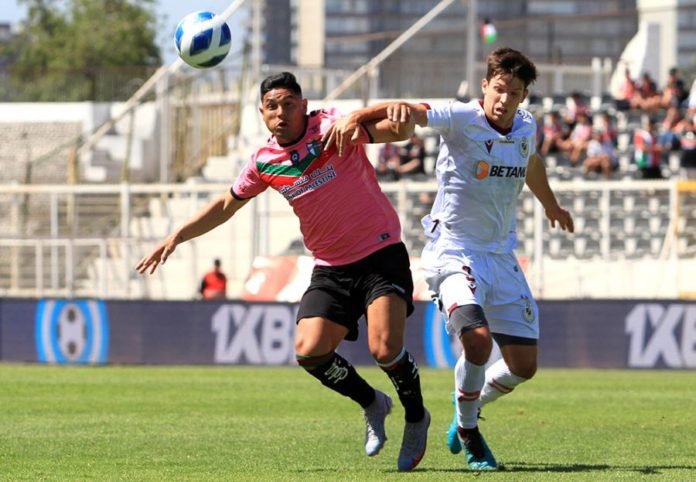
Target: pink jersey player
(362, 270)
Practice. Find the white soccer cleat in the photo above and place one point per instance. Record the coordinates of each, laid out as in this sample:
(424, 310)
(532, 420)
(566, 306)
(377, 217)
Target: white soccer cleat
(375, 435)
(414, 443)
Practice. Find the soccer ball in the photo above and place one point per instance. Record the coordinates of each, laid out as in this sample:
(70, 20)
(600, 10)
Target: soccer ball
(202, 39)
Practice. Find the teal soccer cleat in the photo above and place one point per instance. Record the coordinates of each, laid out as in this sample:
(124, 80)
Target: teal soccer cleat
(478, 455)
(453, 442)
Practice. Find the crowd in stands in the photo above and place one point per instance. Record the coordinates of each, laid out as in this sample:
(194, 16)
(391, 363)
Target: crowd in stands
(635, 135)
(656, 125)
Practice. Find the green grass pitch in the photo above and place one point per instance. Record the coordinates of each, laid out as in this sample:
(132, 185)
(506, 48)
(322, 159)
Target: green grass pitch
(278, 424)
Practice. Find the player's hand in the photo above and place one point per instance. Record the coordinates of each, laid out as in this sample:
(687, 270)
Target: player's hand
(562, 217)
(159, 255)
(399, 112)
(343, 132)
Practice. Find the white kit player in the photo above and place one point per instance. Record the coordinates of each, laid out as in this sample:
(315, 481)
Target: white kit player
(487, 153)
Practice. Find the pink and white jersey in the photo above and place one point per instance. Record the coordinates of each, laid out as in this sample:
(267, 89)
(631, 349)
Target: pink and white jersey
(344, 215)
(480, 173)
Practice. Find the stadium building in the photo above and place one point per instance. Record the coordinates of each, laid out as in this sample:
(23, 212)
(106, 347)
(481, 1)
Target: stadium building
(347, 34)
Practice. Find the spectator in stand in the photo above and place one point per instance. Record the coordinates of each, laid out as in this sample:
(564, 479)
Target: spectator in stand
(647, 96)
(670, 129)
(388, 162)
(627, 91)
(577, 105)
(608, 129)
(675, 92)
(576, 143)
(214, 283)
(648, 150)
(554, 132)
(412, 158)
(601, 156)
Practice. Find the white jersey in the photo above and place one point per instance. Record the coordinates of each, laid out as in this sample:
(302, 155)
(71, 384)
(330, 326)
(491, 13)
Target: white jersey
(480, 175)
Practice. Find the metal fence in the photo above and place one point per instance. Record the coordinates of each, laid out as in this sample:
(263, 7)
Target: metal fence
(634, 238)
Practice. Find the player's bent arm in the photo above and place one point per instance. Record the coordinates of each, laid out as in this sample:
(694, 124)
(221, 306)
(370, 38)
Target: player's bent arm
(347, 129)
(388, 131)
(396, 111)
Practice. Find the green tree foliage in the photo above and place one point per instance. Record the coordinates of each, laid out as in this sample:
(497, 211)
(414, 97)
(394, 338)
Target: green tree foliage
(75, 50)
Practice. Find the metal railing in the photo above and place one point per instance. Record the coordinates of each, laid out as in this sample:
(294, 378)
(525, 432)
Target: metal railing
(620, 224)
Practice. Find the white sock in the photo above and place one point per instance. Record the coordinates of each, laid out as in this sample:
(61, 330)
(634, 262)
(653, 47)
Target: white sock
(499, 381)
(468, 381)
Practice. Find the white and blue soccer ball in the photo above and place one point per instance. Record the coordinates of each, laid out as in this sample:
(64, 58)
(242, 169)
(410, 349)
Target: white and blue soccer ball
(202, 39)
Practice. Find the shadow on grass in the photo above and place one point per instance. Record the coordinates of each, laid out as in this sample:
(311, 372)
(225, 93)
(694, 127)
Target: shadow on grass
(563, 468)
(512, 467)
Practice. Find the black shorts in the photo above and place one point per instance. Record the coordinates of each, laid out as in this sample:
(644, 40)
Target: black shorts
(342, 293)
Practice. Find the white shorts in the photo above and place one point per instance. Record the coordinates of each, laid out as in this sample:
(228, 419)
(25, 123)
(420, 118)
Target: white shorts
(493, 281)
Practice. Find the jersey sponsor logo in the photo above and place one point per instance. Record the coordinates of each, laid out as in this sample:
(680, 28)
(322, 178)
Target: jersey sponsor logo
(662, 335)
(254, 334)
(310, 182)
(295, 158)
(72, 331)
(482, 170)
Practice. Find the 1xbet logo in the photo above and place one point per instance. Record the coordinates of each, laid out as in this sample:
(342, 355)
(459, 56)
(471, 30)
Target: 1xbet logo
(662, 334)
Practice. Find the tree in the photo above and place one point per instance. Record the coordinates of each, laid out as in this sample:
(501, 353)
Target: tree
(74, 50)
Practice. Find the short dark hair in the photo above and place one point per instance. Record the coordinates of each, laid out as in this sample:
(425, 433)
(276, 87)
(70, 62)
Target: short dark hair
(509, 61)
(284, 80)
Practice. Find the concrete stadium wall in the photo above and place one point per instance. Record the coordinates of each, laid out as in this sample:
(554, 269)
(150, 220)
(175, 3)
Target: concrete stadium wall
(586, 333)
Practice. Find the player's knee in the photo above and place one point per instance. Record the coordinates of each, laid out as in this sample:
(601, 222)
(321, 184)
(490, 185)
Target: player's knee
(477, 347)
(472, 327)
(385, 353)
(523, 368)
(308, 346)
(385, 349)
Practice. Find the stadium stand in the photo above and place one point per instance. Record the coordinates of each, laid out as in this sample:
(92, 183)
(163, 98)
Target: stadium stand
(620, 219)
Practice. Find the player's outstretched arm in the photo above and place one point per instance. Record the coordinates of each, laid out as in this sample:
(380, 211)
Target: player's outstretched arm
(386, 122)
(215, 213)
(538, 183)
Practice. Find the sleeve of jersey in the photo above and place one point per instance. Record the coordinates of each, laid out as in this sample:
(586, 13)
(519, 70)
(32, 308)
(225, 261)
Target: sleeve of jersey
(248, 184)
(440, 117)
(449, 118)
